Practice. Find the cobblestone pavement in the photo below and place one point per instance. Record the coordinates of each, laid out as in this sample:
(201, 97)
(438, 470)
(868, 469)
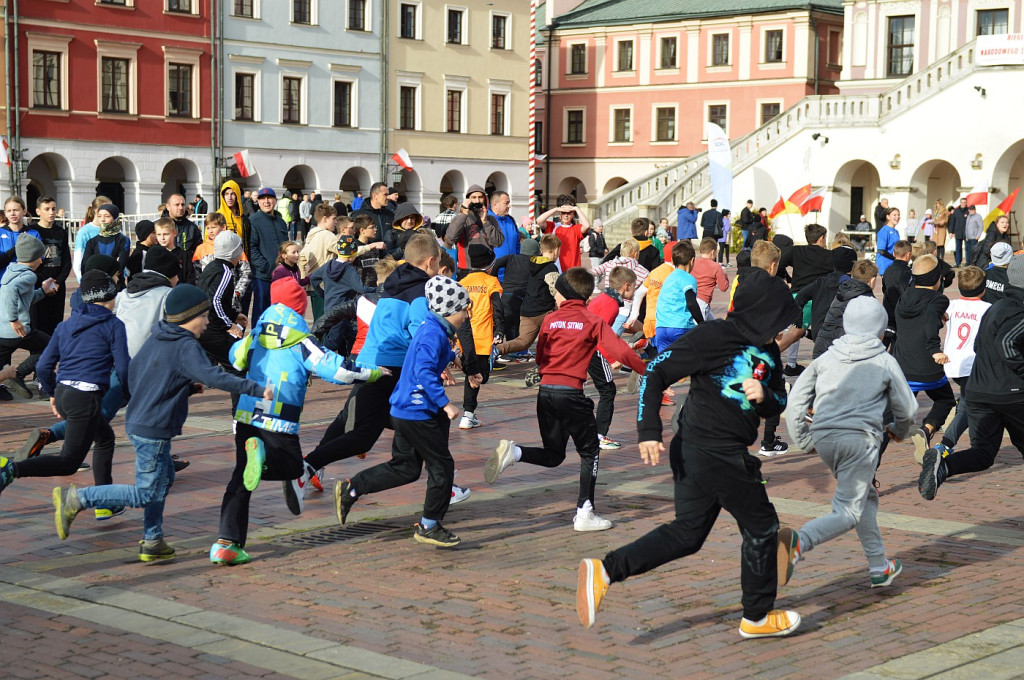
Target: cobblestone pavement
(321, 602)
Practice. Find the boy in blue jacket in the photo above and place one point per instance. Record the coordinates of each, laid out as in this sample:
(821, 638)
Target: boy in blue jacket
(165, 371)
(87, 345)
(422, 415)
(267, 431)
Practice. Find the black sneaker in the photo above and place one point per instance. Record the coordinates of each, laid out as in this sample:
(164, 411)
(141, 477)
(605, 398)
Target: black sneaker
(775, 448)
(438, 536)
(5, 394)
(792, 371)
(933, 473)
(179, 463)
(343, 499)
(17, 386)
(151, 551)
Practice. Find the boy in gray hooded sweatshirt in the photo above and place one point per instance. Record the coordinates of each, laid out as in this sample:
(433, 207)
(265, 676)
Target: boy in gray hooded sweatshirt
(849, 387)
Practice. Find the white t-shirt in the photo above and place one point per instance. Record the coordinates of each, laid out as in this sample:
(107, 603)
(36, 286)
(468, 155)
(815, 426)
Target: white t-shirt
(964, 320)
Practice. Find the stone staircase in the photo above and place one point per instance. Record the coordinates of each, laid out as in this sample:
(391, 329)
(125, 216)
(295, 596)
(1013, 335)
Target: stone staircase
(661, 192)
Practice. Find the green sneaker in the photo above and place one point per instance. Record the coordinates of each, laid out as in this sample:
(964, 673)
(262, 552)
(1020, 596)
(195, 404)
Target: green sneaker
(893, 568)
(255, 457)
(229, 555)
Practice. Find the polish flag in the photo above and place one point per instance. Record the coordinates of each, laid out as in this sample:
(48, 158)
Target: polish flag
(4, 155)
(244, 163)
(402, 159)
(814, 202)
(977, 196)
(800, 195)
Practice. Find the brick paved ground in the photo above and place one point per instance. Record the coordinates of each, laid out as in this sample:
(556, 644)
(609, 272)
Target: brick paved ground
(502, 604)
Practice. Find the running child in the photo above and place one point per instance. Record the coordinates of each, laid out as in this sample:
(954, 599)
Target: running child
(620, 289)
(678, 310)
(488, 319)
(565, 348)
(18, 294)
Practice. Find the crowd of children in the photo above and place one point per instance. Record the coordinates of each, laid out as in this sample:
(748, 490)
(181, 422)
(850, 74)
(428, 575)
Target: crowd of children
(394, 315)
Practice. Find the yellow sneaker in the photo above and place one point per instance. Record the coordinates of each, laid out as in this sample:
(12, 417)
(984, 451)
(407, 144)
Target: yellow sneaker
(777, 623)
(103, 514)
(788, 554)
(590, 589)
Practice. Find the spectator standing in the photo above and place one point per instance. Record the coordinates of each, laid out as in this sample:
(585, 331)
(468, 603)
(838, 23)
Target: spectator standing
(958, 227)
(269, 231)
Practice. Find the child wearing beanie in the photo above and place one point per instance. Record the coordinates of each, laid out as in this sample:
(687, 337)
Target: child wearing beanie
(86, 347)
(421, 415)
(267, 430)
(110, 241)
(217, 280)
(167, 369)
(850, 387)
(145, 237)
(18, 293)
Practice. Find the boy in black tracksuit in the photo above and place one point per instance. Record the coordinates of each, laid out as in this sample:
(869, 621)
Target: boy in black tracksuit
(920, 315)
(861, 283)
(896, 279)
(735, 370)
(822, 291)
(809, 263)
(217, 280)
(517, 276)
(995, 390)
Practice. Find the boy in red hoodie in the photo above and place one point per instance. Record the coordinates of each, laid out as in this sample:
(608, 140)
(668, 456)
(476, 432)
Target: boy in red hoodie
(568, 337)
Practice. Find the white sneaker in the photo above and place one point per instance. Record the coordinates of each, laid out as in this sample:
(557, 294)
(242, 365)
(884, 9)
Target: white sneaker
(459, 494)
(590, 522)
(503, 458)
(606, 444)
(469, 421)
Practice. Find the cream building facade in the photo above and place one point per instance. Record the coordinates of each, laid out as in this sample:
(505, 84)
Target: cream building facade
(457, 84)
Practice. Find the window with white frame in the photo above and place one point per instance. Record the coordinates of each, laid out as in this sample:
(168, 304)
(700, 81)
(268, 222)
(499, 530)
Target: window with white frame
(244, 8)
(500, 22)
(500, 96)
(664, 123)
(116, 3)
(358, 15)
(117, 77)
(835, 47)
(49, 64)
(622, 125)
(344, 103)
(182, 6)
(182, 68)
(245, 96)
(668, 47)
(577, 59)
(718, 113)
(574, 126)
(720, 49)
(410, 104)
(302, 12)
(291, 100)
(993, 21)
(456, 26)
(769, 110)
(773, 46)
(624, 55)
(409, 20)
(455, 104)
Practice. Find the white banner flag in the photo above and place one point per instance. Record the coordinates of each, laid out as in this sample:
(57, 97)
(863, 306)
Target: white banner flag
(720, 161)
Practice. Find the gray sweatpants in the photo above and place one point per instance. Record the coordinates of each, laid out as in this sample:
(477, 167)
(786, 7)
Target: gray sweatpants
(852, 459)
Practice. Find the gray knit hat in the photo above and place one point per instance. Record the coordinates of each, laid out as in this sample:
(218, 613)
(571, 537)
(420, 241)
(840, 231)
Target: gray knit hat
(1015, 272)
(1001, 253)
(227, 245)
(530, 247)
(28, 248)
(445, 297)
(864, 316)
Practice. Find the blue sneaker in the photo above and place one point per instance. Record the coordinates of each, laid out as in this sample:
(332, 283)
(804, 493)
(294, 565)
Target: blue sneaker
(229, 555)
(6, 473)
(256, 456)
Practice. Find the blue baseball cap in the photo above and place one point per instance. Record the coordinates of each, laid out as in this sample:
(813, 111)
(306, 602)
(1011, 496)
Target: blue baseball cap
(266, 191)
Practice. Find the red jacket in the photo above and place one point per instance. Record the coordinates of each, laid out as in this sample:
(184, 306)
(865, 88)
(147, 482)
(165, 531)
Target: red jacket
(568, 337)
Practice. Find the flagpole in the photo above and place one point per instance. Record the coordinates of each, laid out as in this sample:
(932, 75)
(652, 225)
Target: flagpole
(532, 130)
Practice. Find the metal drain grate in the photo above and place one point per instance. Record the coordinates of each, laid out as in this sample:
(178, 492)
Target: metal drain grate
(338, 534)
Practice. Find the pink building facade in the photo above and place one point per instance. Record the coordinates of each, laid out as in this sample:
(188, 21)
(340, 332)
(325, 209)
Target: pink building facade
(632, 83)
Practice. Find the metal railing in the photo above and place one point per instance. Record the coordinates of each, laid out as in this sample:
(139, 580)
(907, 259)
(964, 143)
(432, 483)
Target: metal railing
(128, 223)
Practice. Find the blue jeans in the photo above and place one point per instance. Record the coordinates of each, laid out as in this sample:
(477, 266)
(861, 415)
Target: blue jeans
(959, 251)
(260, 298)
(113, 400)
(154, 475)
(970, 250)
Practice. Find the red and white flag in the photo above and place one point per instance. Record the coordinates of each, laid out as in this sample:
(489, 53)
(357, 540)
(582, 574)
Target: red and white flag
(401, 157)
(977, 196)
(244, 163)
(5, 156)
(814, 201)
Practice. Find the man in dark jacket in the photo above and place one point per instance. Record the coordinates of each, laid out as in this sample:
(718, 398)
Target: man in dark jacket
(268, 233)
(473, 227)
(821, 292)
(711, 222)
(189, 237)
(995, 391)
(958, 228)
(49, 311)
(880, 213)
(377, 208)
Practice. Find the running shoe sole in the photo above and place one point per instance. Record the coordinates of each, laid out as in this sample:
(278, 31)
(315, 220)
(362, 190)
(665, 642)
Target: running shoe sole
(255, 455)
(920, 441)
(26, 450)
(633, 383)
(427, 540)
(586, 608)
(17, 388)
(784, 558)
(927, 481)
(495, 464)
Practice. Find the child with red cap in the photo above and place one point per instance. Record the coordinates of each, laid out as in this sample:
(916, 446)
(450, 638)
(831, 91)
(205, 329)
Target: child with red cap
(267, 430)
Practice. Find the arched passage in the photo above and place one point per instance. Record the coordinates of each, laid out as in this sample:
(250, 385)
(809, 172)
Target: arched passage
(1008, 173)
(355, 179)
(44, 173)
(410, 189)
(117, 178)
(934, 180)
(613, 184)
(453, 182)
(574, 187)
(300, 179)
(180, 176)
(496, 181)
(856, 191)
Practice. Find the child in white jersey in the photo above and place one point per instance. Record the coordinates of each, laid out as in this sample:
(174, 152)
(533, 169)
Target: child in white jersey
(964, 319)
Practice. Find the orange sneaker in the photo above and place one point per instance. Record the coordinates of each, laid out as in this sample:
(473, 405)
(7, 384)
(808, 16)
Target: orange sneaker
(788, 554)
(777, 623)
(591, 587)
